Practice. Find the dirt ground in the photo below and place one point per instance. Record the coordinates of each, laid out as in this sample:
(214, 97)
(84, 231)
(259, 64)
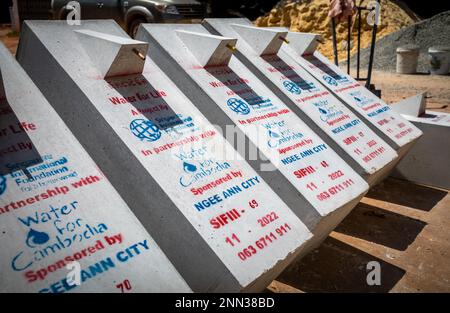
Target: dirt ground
(395, 87)
(403, 226)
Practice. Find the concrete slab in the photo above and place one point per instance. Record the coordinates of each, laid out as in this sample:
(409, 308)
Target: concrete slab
(389, 125)
(64, 209)
(217, 220)
(427, 162)
(412, 106)
(305, 176)
(339, 127)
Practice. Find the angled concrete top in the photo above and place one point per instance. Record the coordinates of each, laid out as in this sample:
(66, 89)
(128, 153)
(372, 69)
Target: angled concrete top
(414, 109)
(413, 106)
(87, 45)
(303, 43)
(263, 41)
(209, 50)
(113, 55)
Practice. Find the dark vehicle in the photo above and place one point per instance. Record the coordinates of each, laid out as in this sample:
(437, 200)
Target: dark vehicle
(128, 13)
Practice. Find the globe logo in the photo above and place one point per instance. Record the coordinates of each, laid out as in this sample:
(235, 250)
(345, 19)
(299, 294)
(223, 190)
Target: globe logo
(238, 106)
(292, 87)
(330, 80)
(2, 184)
(145, 130)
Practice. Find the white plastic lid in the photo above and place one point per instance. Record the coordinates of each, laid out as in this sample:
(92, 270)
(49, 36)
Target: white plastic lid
(408, 49)
(439, 49)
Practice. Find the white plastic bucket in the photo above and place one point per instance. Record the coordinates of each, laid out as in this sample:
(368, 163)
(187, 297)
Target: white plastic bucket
(407, 58)
(439, 58)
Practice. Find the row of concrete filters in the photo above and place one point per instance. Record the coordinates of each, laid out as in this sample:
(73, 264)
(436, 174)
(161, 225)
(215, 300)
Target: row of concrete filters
(228, 93)
(397, 131)
(218, 222)
(204, 69)
(56, 207)
(260, 50)
(151, 118)
(390, 126)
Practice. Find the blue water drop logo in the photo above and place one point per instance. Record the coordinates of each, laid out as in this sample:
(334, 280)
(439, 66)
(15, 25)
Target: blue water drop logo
(189, 168)
(357, 98)
(323, 111)
(273, 134)
(35, 238)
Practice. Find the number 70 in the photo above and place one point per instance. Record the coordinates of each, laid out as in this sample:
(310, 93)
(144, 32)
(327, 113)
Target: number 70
(124, 286)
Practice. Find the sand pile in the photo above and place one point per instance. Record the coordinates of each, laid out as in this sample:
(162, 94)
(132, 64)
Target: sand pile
(312, 16)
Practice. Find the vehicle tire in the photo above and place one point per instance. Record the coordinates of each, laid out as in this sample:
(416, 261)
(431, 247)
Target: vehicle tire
(134, 26)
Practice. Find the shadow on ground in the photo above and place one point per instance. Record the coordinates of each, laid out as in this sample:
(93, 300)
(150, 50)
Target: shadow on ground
(338, 267)
(407, 194)
(380, 226)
